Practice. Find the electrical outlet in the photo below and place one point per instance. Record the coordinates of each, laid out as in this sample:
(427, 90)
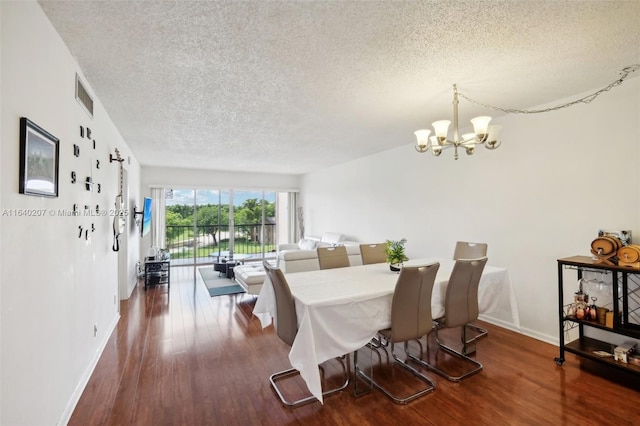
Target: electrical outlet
(95, 329)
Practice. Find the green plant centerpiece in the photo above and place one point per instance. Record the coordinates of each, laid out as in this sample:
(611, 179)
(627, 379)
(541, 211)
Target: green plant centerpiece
(395, 254)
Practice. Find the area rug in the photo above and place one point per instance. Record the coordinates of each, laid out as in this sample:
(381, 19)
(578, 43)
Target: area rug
(216, 285)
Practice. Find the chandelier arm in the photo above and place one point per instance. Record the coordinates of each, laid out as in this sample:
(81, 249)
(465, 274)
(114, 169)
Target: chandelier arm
(585, 100)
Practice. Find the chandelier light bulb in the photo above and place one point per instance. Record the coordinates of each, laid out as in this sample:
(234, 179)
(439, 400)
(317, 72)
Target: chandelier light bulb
(480, 125)
(441, 129)
(422, 137)
(494, 134)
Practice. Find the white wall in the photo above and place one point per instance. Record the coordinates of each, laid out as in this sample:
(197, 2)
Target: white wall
(557, 179)
(195, 178)
(54, 286)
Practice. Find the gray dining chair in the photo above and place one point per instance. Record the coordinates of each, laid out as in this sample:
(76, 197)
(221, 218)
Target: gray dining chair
(461, 307)
(410, 320)
(286, 325)
(373, 253)
(467, 250)
(333, 257)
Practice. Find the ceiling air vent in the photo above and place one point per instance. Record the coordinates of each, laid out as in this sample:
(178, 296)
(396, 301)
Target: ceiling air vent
(83, 96)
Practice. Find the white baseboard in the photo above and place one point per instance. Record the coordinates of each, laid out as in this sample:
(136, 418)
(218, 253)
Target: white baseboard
(552, 340)
(82, 383)
(500, 323)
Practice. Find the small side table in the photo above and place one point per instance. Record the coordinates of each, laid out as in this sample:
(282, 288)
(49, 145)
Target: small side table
(157, 272)
(230, 265)
(220, 267)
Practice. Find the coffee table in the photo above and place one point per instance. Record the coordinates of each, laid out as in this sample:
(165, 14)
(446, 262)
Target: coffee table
(224, 262)
(235, 257)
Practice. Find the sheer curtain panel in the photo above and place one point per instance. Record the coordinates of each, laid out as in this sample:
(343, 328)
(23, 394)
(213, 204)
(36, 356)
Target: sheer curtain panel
(158, 229)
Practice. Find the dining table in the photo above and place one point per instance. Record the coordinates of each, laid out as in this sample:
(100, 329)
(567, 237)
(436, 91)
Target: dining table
(339, 310)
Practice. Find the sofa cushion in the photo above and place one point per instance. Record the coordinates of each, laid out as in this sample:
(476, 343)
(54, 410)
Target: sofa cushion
(306, 244)
(331, 237)
(250, 277)
(250, 273)
(297, 254)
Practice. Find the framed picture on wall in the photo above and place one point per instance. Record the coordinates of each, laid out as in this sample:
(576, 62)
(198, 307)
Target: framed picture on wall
(39, 160)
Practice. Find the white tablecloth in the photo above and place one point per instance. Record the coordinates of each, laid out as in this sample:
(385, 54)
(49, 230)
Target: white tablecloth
(340, 310)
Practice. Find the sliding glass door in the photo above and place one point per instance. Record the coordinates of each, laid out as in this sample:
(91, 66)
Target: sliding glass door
(254, 223)
(205, 224)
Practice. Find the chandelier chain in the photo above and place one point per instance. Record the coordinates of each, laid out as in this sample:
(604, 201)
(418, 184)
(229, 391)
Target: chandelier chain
(624, 73)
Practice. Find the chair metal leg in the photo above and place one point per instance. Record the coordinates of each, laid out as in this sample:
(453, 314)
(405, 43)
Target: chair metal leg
(372, 383)
(274, 378)
(480, 332)
(463, 355)
(375, 345)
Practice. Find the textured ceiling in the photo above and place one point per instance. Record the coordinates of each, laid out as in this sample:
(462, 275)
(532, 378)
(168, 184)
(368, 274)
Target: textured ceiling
(291, 87)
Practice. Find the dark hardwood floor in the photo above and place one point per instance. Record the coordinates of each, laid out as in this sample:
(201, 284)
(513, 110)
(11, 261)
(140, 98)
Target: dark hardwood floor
(185, 358)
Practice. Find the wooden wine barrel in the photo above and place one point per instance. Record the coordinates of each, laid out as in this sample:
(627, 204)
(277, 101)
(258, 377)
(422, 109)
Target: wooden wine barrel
(630, 253)
(606, 245)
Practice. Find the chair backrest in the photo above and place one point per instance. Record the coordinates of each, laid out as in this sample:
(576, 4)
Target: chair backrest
(466, 250)
(411, 303)
(461, 297)
(373, 253)
(333, 257)
(286, 321)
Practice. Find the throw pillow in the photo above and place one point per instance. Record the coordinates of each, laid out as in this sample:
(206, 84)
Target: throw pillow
(305, 244)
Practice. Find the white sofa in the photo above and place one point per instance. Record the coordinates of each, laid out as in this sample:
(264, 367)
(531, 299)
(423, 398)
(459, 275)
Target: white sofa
(298, 257)
(303, 256)
(250, 277)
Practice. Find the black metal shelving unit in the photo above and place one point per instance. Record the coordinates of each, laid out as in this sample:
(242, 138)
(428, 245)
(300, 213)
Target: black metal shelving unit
(157, 272)
(625, 307)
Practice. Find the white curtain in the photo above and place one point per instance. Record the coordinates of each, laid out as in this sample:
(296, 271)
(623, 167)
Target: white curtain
(158, 228)
(296, 218)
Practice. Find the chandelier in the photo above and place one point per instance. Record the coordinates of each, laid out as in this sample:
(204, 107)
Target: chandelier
(486, 135)
(483, 134)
